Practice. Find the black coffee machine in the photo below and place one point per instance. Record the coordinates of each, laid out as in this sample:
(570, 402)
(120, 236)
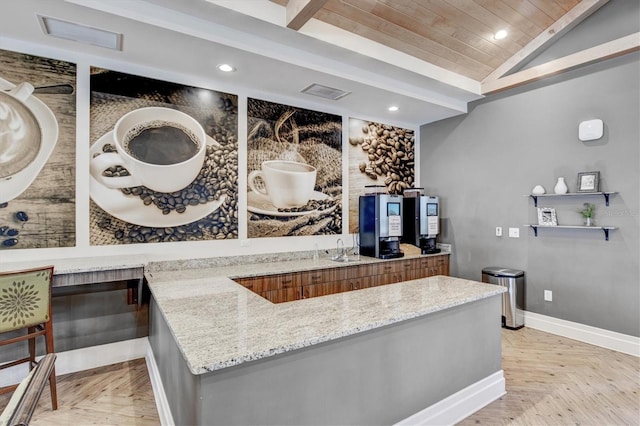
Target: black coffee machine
(421, 220)
(380, 222)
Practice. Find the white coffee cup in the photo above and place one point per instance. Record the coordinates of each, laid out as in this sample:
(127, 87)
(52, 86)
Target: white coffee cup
(180, 161)
(286, 183)
(20, 133)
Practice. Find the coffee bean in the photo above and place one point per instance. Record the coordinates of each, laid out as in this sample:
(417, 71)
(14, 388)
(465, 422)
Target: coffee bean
(3, 205)
(10, 242)
(390, 150)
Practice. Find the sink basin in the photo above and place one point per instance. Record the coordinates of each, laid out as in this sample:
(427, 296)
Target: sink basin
(344, 259)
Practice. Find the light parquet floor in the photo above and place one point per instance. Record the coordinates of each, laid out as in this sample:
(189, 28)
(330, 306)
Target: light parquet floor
(550, 381)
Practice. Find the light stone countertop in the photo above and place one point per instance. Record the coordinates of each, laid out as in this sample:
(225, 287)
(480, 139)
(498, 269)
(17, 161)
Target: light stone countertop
(218, 323)
(74, 265)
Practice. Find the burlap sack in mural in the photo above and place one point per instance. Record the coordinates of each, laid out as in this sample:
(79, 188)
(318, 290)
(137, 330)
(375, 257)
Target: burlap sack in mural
(294, 136)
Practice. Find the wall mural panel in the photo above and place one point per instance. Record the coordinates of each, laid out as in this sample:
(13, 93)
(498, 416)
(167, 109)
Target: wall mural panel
(164, 161)
(37, 152)
(294, 171)
(379, 154)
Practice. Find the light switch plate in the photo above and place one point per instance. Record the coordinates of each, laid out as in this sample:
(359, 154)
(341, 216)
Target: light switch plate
(548, 295)
(514, 232)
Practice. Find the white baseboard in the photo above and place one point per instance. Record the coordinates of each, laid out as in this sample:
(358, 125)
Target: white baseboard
(162, 403)
(584, 333)
(461, 404)
(85, 359)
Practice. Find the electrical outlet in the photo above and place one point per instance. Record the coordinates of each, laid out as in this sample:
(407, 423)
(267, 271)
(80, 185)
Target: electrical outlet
(498, 231)
(514, 232)
(548, 295)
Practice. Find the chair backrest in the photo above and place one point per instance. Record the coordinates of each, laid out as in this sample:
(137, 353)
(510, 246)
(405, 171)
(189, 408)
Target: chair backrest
(25, 298)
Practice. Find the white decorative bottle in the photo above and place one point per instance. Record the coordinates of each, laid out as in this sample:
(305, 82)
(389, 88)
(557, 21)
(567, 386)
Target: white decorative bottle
(561, 187)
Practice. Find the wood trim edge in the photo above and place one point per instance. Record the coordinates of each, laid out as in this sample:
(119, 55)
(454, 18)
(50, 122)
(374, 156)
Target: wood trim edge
(568, 21)
(609, 50)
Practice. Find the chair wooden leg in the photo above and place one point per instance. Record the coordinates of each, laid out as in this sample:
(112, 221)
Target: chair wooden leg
(52, 388)
(48, 340)
(32, 348)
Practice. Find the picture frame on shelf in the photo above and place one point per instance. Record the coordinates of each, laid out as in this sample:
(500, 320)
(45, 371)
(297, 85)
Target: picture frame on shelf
(589, 182)
(547, 216)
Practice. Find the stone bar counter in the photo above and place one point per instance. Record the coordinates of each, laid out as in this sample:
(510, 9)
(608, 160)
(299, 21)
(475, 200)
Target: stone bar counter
(378, 355)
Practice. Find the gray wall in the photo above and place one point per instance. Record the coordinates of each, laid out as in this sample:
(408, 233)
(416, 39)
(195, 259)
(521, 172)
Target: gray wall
(482, 164)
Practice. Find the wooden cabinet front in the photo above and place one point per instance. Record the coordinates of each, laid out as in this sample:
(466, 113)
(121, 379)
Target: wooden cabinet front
(280, 288)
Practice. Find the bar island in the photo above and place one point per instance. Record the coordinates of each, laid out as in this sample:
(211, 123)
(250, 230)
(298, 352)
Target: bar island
(405, 352)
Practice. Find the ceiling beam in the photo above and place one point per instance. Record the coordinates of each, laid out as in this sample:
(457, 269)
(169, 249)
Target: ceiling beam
(612, 49)
(300, 11)
(569, 20)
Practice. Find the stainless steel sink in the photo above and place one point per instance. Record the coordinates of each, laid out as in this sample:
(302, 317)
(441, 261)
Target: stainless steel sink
(344, 259)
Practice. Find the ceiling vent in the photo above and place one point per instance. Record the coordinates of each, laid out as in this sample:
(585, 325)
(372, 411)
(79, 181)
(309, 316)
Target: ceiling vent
(324, 91)
(81, 33)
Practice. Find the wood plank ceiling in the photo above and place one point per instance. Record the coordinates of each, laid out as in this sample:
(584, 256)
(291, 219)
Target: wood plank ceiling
(457, 35)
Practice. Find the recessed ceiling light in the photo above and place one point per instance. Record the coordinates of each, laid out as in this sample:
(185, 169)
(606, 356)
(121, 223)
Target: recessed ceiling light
(393, 108)
(226, 68)
(500, 34)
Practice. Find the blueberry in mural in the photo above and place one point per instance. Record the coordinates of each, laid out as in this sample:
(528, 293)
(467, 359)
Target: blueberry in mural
(294, 166)
(37, 152)
(163, 161)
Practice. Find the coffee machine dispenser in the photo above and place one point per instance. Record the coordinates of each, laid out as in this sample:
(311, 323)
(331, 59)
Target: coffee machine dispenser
(380, 222)
(421, 220)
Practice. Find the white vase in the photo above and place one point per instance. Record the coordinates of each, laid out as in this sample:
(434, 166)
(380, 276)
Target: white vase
(587, 221)
(561, 187)
(538, 190)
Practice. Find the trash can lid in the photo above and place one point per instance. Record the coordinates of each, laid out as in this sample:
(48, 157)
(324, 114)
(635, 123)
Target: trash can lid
(497, 271)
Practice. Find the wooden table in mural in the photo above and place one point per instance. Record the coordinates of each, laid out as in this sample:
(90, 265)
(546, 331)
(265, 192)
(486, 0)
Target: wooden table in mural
(49, 201)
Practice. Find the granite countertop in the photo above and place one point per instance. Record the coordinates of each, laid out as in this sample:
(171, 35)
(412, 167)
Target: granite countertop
(80, 264)
(218, 323)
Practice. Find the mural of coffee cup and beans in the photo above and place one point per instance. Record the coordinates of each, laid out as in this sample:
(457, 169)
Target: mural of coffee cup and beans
(163, 161)
(379, 154)
(294, 166)
(37, 152)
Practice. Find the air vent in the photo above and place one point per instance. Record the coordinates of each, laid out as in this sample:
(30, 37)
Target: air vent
(81, 33)
(324, 91)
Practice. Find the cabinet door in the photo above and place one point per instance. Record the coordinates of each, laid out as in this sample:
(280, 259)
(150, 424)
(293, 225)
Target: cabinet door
(440, 265)
(282, 295)
(422, 268)
(322, 276)
(391, 278)
(363, 282)
(279, 281)
(315, 290)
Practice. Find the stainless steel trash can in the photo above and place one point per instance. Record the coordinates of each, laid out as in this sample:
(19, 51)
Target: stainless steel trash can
(513, 300)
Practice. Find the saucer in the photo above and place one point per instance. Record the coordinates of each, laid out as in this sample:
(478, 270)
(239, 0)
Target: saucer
(131, 209)
(258, 204)
(16, 184)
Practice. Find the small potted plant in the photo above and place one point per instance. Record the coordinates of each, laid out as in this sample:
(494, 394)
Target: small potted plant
(587, 212)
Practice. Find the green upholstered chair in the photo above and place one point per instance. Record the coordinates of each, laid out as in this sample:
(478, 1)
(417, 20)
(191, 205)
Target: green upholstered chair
(25, 313)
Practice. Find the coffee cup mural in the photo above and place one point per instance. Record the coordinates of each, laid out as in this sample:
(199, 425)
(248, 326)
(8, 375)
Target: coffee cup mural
(287, 184)
(28, 135)
(161, 148)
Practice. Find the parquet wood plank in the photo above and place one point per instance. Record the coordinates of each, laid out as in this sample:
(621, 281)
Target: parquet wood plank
(550, 380)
